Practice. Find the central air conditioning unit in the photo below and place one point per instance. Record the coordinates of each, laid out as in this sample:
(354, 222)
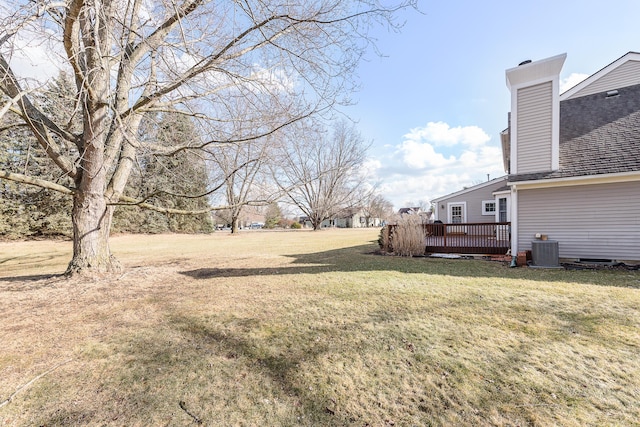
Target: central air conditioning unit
(544, 253)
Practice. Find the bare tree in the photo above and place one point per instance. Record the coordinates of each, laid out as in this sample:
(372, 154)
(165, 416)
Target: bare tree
(240, 167)
(376, 206)
(194, 57)
(319, 171)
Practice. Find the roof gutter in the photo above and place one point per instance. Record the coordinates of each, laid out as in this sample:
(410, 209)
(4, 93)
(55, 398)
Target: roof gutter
(609, 178)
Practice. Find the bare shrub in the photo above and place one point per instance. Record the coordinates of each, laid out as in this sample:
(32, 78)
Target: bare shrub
(407, 238)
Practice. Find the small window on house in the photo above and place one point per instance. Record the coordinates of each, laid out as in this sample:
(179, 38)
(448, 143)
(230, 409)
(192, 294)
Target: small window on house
(488, 207)
(502, 209)
(457, 214)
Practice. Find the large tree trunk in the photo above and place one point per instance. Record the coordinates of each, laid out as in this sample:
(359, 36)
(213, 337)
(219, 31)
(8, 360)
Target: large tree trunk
(234, 225)
(91, 226)
(91, 216)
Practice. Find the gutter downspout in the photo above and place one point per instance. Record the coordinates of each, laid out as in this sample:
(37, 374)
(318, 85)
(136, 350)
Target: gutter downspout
(514, 220)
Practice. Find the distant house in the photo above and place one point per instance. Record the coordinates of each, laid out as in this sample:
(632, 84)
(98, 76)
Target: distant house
(354, 218)
(573, 155)
(349, 218)
(306, 222)
(410, 211)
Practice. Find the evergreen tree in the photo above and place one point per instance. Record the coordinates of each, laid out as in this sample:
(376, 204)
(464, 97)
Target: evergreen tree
(170, 181)
(29, 211)
(273, 216)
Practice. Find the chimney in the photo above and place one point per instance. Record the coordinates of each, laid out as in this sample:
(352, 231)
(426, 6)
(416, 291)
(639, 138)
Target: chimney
(535, 115)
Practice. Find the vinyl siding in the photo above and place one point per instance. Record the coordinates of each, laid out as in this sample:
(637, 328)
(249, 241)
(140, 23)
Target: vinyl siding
(575, 217)
(474, 200)
(627, 74)
(534, 128)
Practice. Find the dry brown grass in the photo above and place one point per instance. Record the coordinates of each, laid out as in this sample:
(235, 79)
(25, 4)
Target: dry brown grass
(308, 328)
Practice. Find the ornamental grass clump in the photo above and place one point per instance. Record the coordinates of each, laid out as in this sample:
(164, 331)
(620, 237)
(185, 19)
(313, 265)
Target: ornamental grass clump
(407, 238)
(384, 239)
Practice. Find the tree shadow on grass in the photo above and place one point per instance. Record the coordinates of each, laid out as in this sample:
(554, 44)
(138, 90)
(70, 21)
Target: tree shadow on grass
(31, 277)
(30, 260)
(30, 282)
(192, 370)
(363, 258)
(277, 366)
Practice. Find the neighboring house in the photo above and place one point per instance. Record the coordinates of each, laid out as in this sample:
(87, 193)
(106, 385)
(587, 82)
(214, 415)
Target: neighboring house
(482, 203)
(574, 155)
(426, 215)
(306, 222)
(355, 218)
(351, 218)
(410, 211)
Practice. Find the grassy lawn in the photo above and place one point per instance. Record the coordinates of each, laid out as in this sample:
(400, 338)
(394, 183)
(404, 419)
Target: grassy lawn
(304, 328)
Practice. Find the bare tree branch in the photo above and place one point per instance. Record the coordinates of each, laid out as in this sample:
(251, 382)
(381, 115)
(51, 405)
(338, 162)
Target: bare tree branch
(39, 123)
(123, 200)
(23, 179)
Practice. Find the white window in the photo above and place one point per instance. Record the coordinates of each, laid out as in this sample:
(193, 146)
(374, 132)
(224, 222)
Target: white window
(457, 213)
(502, 209)
(488, 207)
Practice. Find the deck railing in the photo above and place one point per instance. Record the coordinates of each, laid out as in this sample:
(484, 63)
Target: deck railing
(466, 238)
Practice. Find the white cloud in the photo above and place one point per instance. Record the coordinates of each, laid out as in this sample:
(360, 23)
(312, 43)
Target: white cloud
(436, 160)
(370, 168)
(419, 147)
(273, 79)
(416, 155)
(441, 134)
(36, 56)
(569, 82)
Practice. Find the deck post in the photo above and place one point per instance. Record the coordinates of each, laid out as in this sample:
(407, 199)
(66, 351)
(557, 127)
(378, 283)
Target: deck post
(445, 236)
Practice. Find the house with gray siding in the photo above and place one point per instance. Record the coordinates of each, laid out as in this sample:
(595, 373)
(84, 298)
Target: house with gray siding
(482, 203)
(572, 156)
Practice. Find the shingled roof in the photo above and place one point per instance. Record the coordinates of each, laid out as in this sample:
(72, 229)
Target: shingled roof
(599, 134)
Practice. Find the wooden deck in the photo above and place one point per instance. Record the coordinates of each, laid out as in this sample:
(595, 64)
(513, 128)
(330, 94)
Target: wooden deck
(463, 244)
(467, 238)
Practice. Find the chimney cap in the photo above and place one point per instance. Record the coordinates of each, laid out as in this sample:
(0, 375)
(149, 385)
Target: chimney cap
(537, 71)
